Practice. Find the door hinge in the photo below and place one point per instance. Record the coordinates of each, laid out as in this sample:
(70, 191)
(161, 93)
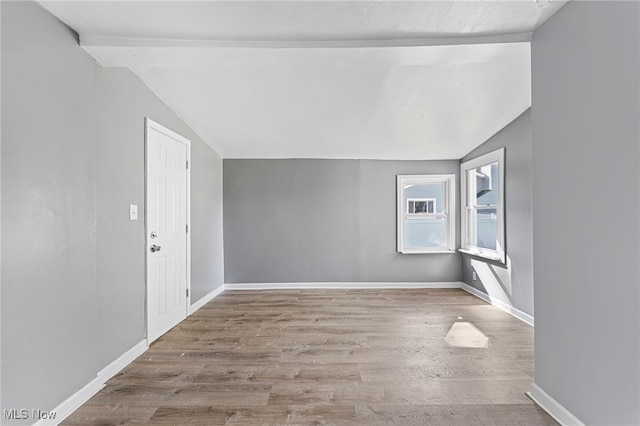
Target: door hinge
(187, 292)
(187, 164)
(186, 227)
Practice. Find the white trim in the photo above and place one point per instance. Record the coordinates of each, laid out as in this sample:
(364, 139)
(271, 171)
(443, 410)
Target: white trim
(188, 220)
(75, 401)
(489, 255)
(150, 124)
(499, 254)
(206, 299)
(448, 211)
(422, 251)
(72, 403)
(505, 307)
(339, 285)
(553, 407)
(125, 359)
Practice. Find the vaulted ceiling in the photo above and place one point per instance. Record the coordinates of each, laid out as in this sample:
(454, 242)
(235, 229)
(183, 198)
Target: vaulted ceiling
(324, 79)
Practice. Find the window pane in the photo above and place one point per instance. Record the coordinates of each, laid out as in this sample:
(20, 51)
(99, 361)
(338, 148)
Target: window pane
(482, 209)
(424, 232)
(420, 206)
(486, 185)
(433, 192)
(487, 228)
(425, 206)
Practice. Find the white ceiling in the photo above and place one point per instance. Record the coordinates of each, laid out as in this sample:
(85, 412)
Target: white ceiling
(324, 79)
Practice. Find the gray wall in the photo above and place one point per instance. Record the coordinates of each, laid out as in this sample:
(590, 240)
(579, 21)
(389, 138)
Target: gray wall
(72, 162)
(207, 245)
(0, 217)
(511, 283)
(377, 246)
(49, 252)
(586, 198)
(123, 102)
(322, 221)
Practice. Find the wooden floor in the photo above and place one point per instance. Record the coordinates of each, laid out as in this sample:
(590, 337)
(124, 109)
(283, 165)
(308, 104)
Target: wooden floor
(330, 357)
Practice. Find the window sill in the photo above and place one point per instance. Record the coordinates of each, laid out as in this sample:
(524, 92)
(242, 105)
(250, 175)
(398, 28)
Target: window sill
(488, 256)
(427, 251)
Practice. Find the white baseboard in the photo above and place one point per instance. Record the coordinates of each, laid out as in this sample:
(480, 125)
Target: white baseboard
(522, 316)
(553, 407)
(206, 299)
(76, 400)
(72, 403)
(339, 285)
(125, 359)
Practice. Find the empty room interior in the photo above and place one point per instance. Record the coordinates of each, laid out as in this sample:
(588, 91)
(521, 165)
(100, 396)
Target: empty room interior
(320, 212)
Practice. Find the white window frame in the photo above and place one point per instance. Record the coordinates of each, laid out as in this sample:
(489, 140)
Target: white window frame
(468, 207)
(448, 211)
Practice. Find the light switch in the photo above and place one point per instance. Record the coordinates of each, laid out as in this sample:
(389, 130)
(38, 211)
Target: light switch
(133, 212)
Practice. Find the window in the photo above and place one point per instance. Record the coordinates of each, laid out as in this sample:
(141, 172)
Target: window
(483, 206)
(421, 205)
(426, 213)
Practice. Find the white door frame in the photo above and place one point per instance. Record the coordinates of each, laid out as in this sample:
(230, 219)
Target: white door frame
(148, 125)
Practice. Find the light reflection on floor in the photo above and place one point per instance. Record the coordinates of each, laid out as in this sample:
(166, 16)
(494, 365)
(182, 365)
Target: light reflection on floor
(463, 334)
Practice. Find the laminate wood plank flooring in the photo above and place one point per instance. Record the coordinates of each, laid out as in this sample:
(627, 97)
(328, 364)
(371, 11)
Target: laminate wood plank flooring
(371, 357)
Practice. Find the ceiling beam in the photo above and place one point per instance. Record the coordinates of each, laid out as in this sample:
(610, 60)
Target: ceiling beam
(87, 40)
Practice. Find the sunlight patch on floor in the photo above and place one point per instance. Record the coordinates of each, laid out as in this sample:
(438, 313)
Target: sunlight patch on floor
(463, 334)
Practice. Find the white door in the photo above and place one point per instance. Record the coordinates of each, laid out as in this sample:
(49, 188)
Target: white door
(167, 221)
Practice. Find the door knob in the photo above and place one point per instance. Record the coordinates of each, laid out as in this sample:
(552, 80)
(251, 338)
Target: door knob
(155, 248)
